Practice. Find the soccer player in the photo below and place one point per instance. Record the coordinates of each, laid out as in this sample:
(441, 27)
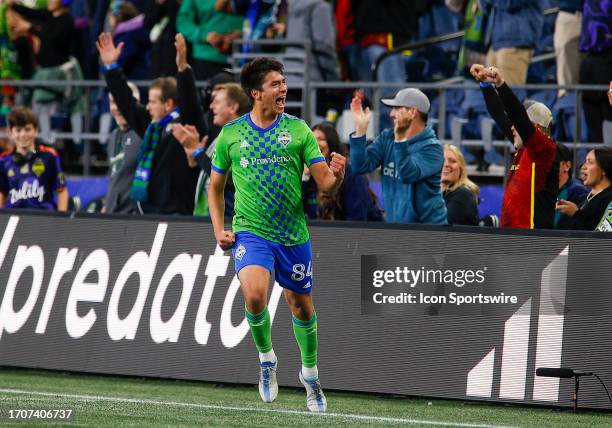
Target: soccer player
(30, 174)
(266, 150)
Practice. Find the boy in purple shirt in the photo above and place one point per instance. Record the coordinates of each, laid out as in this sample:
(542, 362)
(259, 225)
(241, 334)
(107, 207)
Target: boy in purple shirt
(30, 173)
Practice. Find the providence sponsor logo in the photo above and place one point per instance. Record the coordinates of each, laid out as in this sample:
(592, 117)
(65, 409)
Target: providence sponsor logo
(273, 160)
(90, 281)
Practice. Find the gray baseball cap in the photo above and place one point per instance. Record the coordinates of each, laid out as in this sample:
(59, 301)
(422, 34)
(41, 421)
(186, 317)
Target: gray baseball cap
(409, 97)
(540, 114)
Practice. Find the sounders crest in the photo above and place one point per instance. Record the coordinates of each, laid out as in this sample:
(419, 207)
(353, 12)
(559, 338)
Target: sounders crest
(284, 138)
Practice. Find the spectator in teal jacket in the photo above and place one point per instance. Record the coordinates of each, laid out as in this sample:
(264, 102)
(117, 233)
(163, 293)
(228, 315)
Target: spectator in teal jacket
(210, 33)
(410, 155)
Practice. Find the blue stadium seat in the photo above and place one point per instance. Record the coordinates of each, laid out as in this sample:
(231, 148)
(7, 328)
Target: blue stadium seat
(564, 113)
(491, 197)
(547, 97)
(454, 98)
(60, 121)
(473, 109)
(440, 20)
(435, 62)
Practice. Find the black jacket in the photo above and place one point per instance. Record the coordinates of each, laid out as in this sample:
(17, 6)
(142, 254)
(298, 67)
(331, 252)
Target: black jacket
(163, 48)
(462, 207)
(173, 183)
(56, 34)
(590, 212)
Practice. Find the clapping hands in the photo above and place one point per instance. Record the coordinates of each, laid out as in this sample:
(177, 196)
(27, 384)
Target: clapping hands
(360, 116)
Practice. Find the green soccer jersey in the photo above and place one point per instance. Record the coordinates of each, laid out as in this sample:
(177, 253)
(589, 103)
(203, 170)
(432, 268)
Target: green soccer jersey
(267, 166)
(605, 225)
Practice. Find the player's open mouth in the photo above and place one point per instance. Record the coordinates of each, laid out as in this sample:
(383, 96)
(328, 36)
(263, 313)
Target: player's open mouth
(280, 102)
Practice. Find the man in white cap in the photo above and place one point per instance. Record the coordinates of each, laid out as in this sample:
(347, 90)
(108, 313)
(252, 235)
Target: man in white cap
(533, 180)
(410, 156)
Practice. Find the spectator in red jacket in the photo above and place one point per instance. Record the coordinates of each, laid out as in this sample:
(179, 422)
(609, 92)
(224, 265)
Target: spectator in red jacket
(533, 180)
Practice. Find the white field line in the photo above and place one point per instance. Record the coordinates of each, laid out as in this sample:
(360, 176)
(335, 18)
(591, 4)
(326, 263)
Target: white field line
(248, 409)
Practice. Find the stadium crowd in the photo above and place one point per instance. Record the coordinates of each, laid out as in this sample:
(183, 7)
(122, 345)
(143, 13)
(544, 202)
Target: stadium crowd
(160, 148)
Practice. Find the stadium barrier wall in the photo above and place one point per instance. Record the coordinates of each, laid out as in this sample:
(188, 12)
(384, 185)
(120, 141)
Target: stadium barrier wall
(155, 297)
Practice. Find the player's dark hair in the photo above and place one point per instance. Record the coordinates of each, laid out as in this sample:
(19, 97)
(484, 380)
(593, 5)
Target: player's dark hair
(167, 87)
(603, 157)
(22, 116)
(254, 73)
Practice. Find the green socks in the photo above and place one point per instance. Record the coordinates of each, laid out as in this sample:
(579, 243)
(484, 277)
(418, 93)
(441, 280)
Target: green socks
(261, 329)
(305, 334)
(306, 337)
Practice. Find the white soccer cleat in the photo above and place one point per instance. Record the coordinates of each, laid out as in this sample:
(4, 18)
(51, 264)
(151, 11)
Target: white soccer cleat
(315, 399)
(268, 386)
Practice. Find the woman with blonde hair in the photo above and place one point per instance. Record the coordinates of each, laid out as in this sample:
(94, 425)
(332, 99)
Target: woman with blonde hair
(460, 193)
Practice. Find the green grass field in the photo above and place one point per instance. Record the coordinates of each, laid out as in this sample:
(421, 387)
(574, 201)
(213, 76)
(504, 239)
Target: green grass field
(105, 401)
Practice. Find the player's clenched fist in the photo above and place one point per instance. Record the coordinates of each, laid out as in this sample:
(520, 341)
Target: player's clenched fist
(337, 164)
(225, 239)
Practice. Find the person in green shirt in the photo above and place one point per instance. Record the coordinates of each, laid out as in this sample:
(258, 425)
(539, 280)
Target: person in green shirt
(266, 151)
(211, 34)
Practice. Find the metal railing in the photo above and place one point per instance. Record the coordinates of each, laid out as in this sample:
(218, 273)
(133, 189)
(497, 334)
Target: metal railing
(311, 101)
(443, 88)
(418, 44)
(309, 88)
